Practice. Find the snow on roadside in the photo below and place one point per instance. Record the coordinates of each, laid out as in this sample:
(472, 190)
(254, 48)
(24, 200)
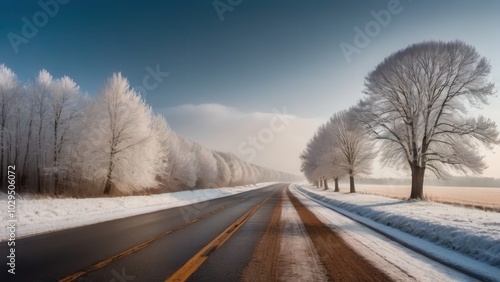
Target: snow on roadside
(36, 216)
(398, 262)
(472, 232)
(440, 230)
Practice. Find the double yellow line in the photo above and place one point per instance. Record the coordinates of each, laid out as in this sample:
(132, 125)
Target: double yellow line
(183, 273)
(134, 249)
(194, 263)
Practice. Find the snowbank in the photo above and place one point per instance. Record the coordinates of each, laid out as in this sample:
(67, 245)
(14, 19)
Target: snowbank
(35, 216)
(474, 233)
(397, 261)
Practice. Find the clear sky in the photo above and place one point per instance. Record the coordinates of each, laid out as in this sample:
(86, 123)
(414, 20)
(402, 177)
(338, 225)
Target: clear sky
(229, 70)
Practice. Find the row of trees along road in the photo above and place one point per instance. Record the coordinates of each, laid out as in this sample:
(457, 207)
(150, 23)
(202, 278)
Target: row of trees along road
(339, 148)
(64, 142)
(417, 110)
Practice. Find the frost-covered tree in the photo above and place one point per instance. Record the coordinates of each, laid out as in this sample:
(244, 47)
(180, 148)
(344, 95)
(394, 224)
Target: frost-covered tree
(65, 107)
(235, 168)
(417, 107)
(259, 174)
(339, 147)
(253, 177)
(246, 177)
(313, 168)
(320, 159)
(162, 133)
(329, 158)
(207, 167)
(41, 96)
(9, 88)
(63, 141)
(17, 131)
(122, 147)
(27, 134)
(223, 171)
(182, 167)
(354, 148)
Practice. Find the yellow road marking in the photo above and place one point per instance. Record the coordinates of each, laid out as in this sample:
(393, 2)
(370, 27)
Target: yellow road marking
(183, 273)
(134, 249)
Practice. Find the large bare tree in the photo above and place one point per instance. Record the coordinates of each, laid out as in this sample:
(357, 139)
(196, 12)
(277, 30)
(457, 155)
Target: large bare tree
(417, 105)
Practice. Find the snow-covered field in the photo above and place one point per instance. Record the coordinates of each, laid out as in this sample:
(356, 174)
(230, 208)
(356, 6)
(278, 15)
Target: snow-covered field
(464, 237)
(471, 196)
(35, 216)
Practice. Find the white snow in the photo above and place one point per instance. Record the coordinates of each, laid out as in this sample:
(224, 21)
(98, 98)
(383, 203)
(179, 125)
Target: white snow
(36, 216)
(466, 238)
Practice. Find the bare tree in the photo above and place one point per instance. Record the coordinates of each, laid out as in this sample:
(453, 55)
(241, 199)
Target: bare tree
(417, 107)
(28, 104)
(65, 106)
(319, 159)
(330, 156)
(340, 147)
(41, 95)
(355, 149)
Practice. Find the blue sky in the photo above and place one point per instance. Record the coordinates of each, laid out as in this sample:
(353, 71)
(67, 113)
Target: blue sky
(263, 55)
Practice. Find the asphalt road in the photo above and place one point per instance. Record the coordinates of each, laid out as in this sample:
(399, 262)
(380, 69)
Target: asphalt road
(52, 256)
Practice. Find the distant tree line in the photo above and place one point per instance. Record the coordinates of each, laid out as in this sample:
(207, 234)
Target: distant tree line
(64, 142)
(416, 109)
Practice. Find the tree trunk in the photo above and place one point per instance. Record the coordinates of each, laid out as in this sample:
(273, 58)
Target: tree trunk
(352, 188)
(54, 161)
(39, 160)
(24, 177)
(57, 189)
(107, 187)
(39, 180)
(417, 182)
(336, 179)
(326, 183)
